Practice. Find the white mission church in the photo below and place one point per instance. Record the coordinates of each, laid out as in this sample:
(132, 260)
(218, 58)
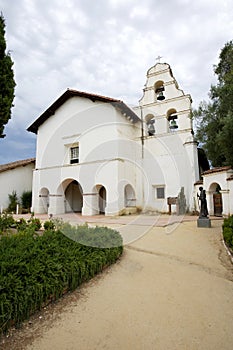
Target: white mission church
(97, 155)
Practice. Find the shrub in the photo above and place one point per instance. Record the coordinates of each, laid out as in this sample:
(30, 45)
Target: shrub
(37, 269)
(6, 221)
(58, 223)
(21, 224)
(102, 237)
(26, 199)
(228, 231)
(13, 201)
(49, 225)
(34, 223)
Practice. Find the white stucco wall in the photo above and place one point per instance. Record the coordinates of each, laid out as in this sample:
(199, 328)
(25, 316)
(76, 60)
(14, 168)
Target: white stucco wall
(170, 156)
(210, 182)
(18, 179)
(114, 153)
(230, 187)
(167, 163)
(106, 141)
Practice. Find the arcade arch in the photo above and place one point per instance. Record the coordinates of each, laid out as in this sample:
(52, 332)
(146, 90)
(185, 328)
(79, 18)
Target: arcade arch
(73, 195)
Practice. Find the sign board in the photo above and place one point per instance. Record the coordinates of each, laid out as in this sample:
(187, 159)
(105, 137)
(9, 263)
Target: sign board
(171, 200)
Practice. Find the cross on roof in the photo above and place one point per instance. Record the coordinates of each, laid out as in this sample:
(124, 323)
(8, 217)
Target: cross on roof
(158, 58)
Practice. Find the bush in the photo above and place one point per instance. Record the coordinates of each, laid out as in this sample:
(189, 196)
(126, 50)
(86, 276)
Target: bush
(26, 199)
(38, 269)
(21, 224)
(101, 237)
(49, 225)
(34, 223)
(13, 201)
(6, 221)
(228, 231)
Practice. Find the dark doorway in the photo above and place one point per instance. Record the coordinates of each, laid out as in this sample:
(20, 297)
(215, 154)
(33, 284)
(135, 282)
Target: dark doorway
(217, 204)
(102, 200)
(74, 197)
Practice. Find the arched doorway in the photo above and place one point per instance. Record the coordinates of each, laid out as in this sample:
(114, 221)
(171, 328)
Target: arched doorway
(216, 199)
(102, 199)
(73, 197)
(130, 200)
(44, 200)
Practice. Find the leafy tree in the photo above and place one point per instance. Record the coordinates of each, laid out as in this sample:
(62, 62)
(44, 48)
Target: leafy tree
(7, 83)
(215, 118)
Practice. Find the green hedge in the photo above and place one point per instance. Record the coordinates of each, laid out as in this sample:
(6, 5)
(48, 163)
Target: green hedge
(37, 269)
(228, 231)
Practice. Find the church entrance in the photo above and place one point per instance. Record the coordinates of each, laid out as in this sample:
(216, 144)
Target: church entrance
(217, 197)
(216, 202)
(74, 197)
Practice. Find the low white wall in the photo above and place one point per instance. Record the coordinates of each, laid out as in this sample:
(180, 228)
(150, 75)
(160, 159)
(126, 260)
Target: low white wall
(18, 179)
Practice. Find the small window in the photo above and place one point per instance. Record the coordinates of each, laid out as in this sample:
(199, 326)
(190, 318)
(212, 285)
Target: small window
(160, 192)
(74, 155)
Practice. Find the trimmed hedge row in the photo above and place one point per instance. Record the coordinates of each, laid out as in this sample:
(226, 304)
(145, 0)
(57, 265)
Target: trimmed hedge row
(228, 231)
(37, 269)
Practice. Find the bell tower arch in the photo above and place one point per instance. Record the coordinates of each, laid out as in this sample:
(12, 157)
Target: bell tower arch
(162, 95)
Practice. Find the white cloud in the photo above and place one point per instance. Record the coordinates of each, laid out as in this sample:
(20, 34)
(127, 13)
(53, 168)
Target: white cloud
(107, 47)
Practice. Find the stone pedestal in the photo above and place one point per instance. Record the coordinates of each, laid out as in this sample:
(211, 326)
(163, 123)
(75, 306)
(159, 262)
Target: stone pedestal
(203, 222)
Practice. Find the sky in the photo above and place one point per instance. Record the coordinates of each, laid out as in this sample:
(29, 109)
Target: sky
(105, 47)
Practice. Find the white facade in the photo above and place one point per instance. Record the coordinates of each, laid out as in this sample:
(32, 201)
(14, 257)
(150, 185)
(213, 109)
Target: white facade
(218, 184)
(96, 155)
(16, 176)
(173, 150)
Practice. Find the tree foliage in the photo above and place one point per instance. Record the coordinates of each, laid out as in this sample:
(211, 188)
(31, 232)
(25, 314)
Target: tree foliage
(215, 118)
(7, 83)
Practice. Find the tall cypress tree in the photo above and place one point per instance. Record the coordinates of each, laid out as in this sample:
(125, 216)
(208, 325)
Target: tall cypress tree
(7, 82)
(215, 119)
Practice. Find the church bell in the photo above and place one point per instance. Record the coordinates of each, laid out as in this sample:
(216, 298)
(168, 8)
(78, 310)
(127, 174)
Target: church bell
(159, 92)
(151, 128)
(160, 96)
(173, 124)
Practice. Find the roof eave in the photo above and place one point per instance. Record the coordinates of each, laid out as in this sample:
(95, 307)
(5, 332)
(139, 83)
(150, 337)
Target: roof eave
(125, 110)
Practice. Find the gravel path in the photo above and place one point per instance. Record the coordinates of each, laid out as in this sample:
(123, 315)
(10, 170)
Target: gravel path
(172, 289)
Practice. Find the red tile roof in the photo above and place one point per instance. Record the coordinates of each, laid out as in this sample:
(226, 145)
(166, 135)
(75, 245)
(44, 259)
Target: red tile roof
(18, 163)
(217, 170)
(199, 182)
(118, 104)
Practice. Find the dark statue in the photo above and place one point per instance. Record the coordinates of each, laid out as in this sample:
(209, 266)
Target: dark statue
(202, 198)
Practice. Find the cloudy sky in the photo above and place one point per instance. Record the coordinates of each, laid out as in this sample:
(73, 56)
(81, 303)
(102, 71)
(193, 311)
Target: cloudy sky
(105, 47)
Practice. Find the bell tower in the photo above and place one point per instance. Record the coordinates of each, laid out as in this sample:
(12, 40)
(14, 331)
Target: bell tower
(164, 103)
(169, 150)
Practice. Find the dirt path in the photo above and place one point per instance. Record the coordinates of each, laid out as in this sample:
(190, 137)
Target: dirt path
(172, 289)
